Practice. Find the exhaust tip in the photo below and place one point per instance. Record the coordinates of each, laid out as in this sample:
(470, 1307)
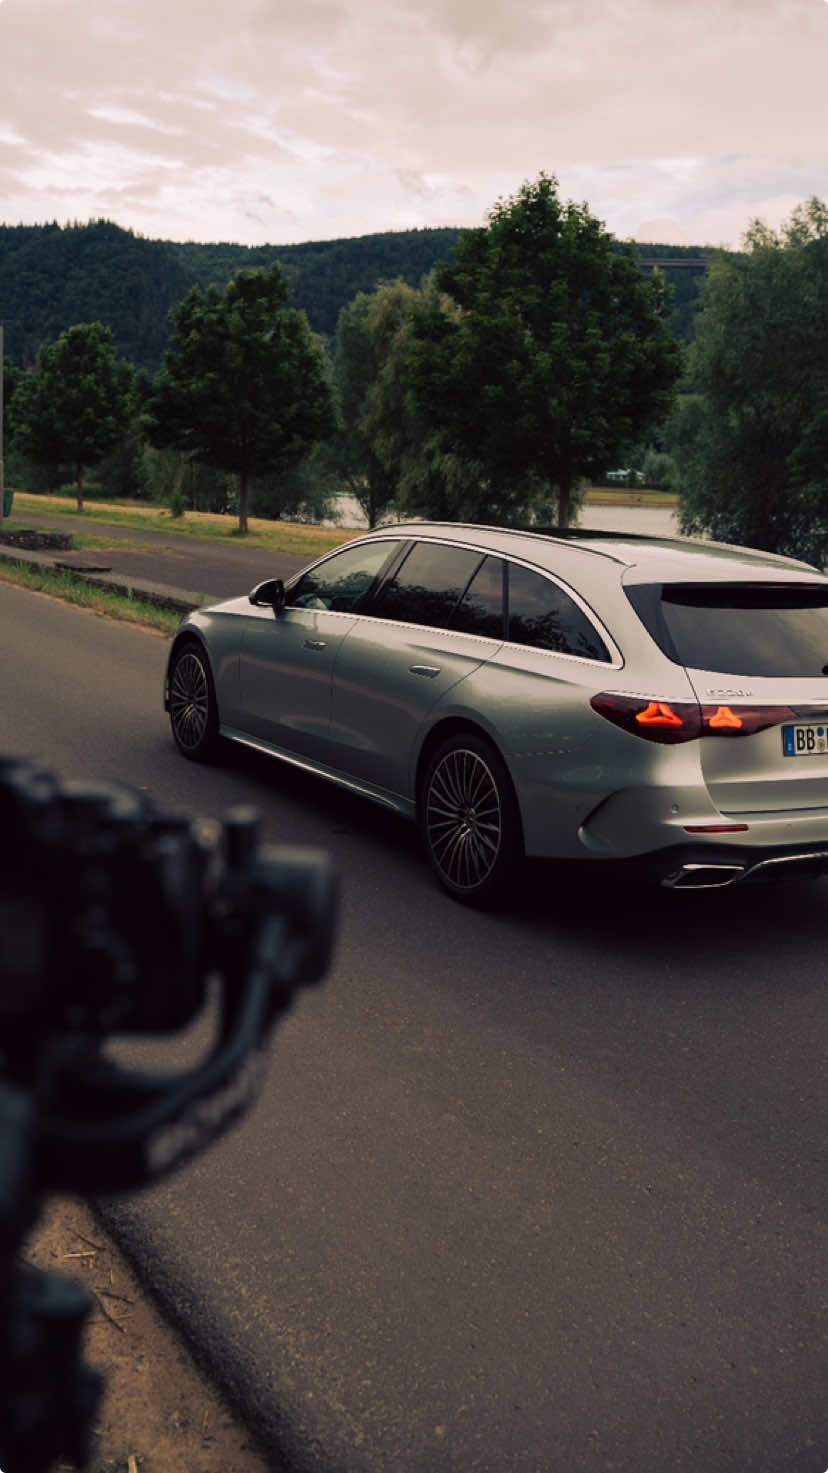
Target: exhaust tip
(703, 876)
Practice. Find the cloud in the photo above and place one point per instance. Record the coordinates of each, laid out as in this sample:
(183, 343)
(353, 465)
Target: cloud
(262, 121)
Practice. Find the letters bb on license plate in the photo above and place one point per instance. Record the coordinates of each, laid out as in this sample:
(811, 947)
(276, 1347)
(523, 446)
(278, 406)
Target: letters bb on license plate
(804, 741)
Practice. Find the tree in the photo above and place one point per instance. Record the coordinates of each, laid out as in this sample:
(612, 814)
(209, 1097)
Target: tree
(365, 332)
(389, 452)
(244, 386)
(12, 377)
(545, 353)
(122, 474)
(74, 409)
(752, 443)
(303, 493)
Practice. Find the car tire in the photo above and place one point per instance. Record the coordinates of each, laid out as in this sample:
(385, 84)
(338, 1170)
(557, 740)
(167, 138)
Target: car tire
(193, 709)
(470, 821)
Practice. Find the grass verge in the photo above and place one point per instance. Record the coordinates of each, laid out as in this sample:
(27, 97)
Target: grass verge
(295, 538)
(97, 600)
(289, 537)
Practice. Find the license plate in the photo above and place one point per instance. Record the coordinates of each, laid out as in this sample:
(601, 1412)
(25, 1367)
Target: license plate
(804, 741)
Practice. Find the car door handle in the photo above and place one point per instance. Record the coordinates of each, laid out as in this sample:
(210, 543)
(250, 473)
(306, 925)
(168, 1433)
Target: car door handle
(315, 644)
(429, 671)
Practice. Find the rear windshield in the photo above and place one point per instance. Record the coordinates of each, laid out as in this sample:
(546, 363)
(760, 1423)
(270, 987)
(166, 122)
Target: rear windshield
(738, 629)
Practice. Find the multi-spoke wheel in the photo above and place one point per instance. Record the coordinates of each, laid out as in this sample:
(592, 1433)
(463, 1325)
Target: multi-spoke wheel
(470, 820)
(192, 703)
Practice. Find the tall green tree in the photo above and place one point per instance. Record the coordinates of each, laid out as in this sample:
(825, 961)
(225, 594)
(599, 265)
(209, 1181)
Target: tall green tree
(431, 477)
(752, 442)
(245, 386)
(75, 408)
(365, 334)
(548, 354)
(12, 377)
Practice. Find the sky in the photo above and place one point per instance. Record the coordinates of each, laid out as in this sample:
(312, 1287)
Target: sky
(262, 122)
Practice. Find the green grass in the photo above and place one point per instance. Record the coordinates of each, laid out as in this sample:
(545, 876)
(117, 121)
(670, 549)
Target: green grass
(97, 600)
(294, 538)
(287, 537)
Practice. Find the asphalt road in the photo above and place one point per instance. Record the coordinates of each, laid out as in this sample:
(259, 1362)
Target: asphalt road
(533, 1193)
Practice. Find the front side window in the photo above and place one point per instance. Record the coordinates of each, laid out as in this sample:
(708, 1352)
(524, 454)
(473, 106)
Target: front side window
(342, 581)
(543, 616)
(426, 587)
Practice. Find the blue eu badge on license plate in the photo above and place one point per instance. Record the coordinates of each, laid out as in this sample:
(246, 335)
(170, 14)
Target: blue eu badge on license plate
(804, 741)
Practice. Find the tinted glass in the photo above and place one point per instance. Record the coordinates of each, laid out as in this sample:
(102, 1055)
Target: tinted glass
(427, 586)
(342, 581)
(480, 610)
(748, 630)
(543, 616)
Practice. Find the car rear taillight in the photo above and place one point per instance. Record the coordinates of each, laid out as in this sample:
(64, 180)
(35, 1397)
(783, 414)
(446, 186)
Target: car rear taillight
(683, 721)
(667, 722)
(743, 720)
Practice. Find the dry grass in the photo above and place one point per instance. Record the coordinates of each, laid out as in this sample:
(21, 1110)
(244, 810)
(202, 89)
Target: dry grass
(289, 537)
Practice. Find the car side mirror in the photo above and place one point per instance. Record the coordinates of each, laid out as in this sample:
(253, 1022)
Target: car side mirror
(269, 595)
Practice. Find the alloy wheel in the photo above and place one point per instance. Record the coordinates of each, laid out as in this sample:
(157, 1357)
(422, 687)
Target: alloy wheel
(464, 819)
(189, 701)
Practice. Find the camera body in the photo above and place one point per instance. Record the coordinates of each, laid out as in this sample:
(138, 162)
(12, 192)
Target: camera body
(117, 918)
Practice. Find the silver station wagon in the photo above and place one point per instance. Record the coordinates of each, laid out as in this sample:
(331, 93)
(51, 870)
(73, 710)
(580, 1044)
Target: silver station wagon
(594, 697)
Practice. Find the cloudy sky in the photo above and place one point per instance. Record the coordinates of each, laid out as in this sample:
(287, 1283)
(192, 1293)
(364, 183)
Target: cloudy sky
(261, 121)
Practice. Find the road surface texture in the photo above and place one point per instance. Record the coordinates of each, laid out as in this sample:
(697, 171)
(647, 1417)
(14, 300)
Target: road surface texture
(541, 1192)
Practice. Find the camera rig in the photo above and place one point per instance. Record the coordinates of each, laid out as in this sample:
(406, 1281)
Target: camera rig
(119, 919)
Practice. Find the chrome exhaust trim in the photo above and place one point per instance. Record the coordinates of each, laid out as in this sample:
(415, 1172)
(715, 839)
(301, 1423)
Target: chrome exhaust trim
(704, 876)
(712, 876)
(789, 864)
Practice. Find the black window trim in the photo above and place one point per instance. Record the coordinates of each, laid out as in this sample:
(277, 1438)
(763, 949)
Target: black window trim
(616, 661)
(393, 565)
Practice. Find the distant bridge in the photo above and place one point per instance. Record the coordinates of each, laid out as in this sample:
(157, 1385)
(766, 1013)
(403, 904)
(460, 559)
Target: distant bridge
(679, 263)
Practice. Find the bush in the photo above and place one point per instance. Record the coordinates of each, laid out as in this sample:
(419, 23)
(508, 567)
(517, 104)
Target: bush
(660, 471)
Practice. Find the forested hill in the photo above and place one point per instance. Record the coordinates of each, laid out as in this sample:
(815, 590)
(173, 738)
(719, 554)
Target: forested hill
(52, 277)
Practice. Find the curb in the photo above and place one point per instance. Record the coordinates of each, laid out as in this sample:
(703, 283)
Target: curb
(178, 600)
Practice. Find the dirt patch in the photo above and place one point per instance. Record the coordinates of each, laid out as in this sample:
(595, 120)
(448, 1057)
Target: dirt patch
(33, 541)
(159, 1414)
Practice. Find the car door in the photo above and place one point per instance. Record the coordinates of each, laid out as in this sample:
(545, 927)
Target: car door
(427, 627)
(287, 658)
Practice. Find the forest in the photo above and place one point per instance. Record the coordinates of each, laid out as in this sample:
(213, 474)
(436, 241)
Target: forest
(53, 276)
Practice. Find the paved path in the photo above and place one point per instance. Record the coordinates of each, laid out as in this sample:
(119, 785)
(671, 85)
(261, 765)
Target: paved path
(217, 569)
(225, 570)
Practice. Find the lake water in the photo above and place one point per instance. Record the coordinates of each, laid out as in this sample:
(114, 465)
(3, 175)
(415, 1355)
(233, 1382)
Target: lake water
(649, 521)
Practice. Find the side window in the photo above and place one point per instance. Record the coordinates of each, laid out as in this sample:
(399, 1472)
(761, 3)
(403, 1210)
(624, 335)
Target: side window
(342, 581)
(543, 616)
(425, 589)
(480, 610)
